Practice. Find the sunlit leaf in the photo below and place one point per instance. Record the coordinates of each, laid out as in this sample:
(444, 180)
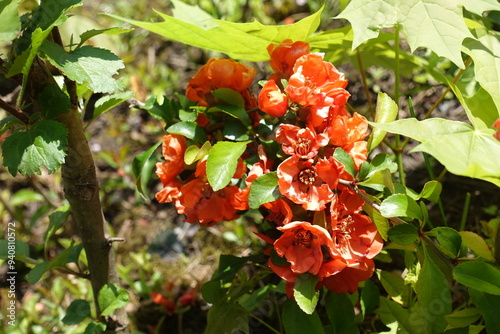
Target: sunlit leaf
(304, 292)
(403, 234)
(10, 20)
(299, 322)
(476, 244)
(222, 162)
(386, 111)
(489, 306)
(464, 317)
(479, 275)
(400, 205)
(111, 297)
(263, 190)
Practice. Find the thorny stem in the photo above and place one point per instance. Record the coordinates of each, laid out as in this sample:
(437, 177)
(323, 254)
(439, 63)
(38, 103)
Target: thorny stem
(365, 85)
(376, 206)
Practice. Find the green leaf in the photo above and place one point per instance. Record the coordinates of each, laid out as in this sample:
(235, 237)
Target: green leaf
(222, 162)
(22, 248)
(385, 111)
(111, 297)
(478, 275)
(8, 122)
(425, 23)
(53, 102)
(166, 111)
(24, 196)
(10, 20)
(433, 292)
(403, 234)
(463, 318)
(43, 144)
(304, 292)
(86, 64)
(394, 285)
(227, 317)
(234, 111)
(431, 191)
(298, 322)
(380, 162)
(381, 222)
(263, 190)
(402, 320)
(56, 219)
(400, 205)
(235, 131)
(95, 32)
(450, 241)
(369, 298)
(489, 306)
(238, 40)
(189, 130)
(194, 153)
(95, 328)
(192, 14)
(58, 262)
(484, 52)
(476, 244)
(108, 102)
(76, 312)
(230, 96)
(462, 149)
(379, 180)
(340, 312)
(345, 159)
(139, 163)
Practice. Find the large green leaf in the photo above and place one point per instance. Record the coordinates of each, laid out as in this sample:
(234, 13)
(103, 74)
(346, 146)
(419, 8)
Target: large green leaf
(476, 244)
(111, 297)
(138, 165)
(462, 149)
(263, 190)
(403, 234)
(433, 293)
(227, 317)
(304, 291)
(298, 322)
(479, 275)
(435, 24)
(400, 205)
(400, 319)
(489, 306)
(386, 111)
(43, 144)
(238, 40)
(86, 64)
(222, 162)
(10, 20)
(76, 312)
(340, 311)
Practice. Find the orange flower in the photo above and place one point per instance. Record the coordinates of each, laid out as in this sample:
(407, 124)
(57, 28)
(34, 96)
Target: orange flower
(285, 54)
(168, 305)
(497, 126)
(348, 133)
(303, 245)
(307, 183)
(281, 213)
(173, 149)
(220, 73)
(300, 141)
(346, 281)
(317, 84)
(272, 101)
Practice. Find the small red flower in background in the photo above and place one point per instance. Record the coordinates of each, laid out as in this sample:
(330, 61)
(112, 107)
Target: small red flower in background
(497, 126)
(272, 101)
(220, 73)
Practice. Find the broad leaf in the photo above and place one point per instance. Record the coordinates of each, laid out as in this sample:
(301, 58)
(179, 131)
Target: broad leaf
(87, 64)
(478, 275)
(222, 162)
(298, 322)
(95, 32)
(111, 297)
(449, 240)
(425, 23)
(380, 162)
(263, 190)
(370, 296)
(400, 319)
(139, 163)
(56, 219)
(403, 234)
(227, 317)
(400, 205)
(340, 312)
(489, 306)
(189, 130)
(194, 153)
(476, 244)
(345, 159)
(59, 261)
(108, 102)
(53, 102)
(462, 149)
(381, 222)
(304, 292)
(76, 312)
(464, 317)
(43, 144)
(386, 111)
(238, 40)
(431, 191)
(10, 20)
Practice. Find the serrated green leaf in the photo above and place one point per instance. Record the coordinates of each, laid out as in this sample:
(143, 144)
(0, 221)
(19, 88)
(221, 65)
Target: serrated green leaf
(238, 40)
(431, 191)
(108, 102)
(226, 317)
(95, 32)
(385, 111)
(489, 306)
(43, 144)
(10, 20)
(222, 162)
(138, 164)
(263, 190)
(476, 244)
(304, 292)
(192, 14)
(478, 275)
(299, 322)
(463, 318)
(400, 205)
(111, 297)
(434, 24)
(76, 312)
(86, 64)
(53, 102)
(432, 289)
(449, 240)
(403, 234)
(189, 130)
(462, 149)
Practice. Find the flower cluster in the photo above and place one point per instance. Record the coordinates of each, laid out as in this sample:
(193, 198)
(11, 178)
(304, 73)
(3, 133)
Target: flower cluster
(316, 225)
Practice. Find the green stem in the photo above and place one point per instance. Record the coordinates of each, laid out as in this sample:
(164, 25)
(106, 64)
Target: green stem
(465, 213)
(396, 67)
(365, 85)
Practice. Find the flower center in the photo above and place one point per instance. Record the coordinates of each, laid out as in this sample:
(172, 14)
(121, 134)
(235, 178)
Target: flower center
(303, 146)
(342, 230)
(307, 176)
(303, 239)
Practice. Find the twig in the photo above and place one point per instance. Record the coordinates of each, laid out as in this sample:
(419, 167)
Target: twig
(14, 112)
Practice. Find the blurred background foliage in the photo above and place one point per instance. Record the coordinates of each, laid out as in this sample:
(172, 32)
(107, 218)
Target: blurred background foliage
(161, 253)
